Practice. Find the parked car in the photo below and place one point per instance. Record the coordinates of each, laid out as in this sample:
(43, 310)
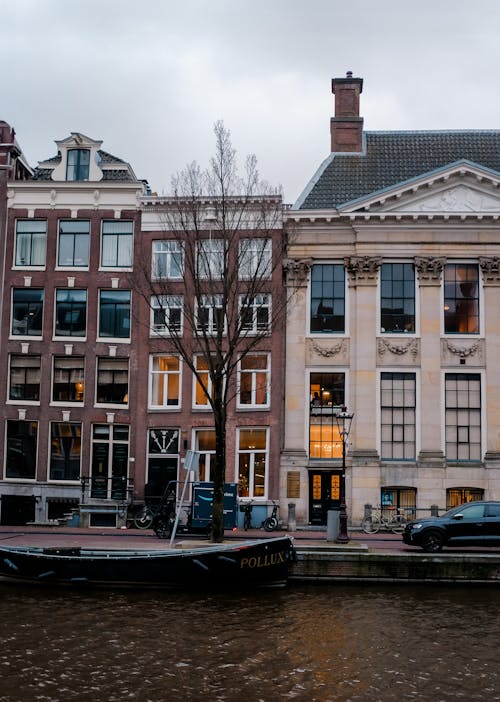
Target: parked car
(471, 524)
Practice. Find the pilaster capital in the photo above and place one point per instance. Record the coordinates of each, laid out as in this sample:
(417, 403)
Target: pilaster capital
(297, 271)
(490, 265)
(429, 269)
(362, 270)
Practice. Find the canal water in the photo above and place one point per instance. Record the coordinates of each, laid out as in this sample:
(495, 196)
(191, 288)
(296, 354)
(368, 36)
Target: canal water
(335, 643)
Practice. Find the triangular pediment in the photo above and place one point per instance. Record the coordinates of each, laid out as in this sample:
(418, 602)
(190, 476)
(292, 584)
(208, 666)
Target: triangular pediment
(460, 189)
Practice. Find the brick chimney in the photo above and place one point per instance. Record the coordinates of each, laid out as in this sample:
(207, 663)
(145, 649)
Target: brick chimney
(346, 127)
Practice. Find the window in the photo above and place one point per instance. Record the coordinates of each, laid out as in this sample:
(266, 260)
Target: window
(210, 260)
(463, 416)
(254, 380)
(71, 312)
(252, 462)
(461, 299)
(31, 237)
(114, 314)
(164, 382)
(27, 311)
(200, 399)
(205, 444)
(398, 403)
(112, 381)
(109, 461)
(403, 498)
(397, 298)
(69, 379)
(74, 237)
(326, 392)
(458, 496)
(166, 314)
(255, 313)
(327, 298)
(24, 378)
(210, 318)
(77, 167)
(255, 259)
(167, 260)
(116, 251)
(65, 450)
(21, 448)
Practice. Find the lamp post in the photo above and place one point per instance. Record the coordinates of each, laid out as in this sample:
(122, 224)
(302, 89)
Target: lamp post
(344, 420)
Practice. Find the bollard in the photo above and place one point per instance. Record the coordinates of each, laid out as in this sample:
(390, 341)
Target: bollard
(332, 524)
(368, 511)
(434, 511)
(292, 523)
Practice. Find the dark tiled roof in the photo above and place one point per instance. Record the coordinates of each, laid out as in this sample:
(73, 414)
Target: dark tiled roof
(395, 157)
(116, 174)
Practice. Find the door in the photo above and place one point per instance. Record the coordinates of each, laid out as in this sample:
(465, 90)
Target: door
(324, 494)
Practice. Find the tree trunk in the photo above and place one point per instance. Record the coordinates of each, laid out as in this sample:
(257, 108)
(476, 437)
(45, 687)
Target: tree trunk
(219, 472)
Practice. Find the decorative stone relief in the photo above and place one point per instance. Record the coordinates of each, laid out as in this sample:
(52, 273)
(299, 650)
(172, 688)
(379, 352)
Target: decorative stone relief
(323, 351)
(391, 352)
(459, 199)
(363, 270)
(471, 352)
(490, 265)
(429, 269)
(297, 272)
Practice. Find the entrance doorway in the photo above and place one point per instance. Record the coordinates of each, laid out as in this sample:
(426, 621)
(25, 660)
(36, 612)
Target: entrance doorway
(324, 495)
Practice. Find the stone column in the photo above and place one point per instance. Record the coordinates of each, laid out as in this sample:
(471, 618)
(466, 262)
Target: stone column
(293, 456)
(363, 277)
(491, 293)
(429, 272)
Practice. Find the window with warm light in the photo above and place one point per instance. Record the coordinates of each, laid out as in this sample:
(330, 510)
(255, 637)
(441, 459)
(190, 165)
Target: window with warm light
(252, 462)
(164, 381)
(69, 379)
(326, 398)
(200, 399)
(461, 298)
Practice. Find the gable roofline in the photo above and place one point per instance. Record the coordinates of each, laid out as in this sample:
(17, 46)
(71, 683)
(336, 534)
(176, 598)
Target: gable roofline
(312, 182)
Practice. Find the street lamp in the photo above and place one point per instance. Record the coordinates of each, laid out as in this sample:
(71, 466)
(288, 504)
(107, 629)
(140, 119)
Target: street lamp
(344, 420)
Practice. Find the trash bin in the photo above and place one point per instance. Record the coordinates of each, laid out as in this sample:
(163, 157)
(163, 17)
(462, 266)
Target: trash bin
(332, 524)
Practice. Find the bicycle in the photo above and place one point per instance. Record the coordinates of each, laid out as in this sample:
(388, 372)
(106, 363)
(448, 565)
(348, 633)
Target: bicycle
(247, 515)
(271, 522)
(390, 518)
(143, 519)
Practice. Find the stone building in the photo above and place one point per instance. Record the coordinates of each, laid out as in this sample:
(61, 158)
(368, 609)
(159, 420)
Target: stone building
(395, 263)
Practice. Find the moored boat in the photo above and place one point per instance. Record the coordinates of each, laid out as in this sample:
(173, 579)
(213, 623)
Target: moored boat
(252, 563)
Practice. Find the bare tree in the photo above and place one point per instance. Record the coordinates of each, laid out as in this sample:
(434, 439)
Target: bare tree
(215, 287)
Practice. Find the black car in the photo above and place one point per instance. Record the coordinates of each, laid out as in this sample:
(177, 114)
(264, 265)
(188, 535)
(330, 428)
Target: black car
(471, 524)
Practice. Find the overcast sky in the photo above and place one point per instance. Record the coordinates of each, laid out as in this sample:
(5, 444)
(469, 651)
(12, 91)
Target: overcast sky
(151, 78)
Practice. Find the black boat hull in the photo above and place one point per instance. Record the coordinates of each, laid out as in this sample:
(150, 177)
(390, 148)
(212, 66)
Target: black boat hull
(258, 563)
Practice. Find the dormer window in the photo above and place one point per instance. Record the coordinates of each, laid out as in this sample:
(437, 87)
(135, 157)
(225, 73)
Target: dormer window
(78, 164)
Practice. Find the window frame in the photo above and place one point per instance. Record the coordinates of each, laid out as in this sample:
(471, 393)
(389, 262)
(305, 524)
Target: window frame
(164, 376)
(38, 313)
(254, 306)
(78, 171)
(210, 259)
(206, 404)
(207, 455)
(168, 249)
(122, 239)
(75, 245)
(252, 453)
(322, 412)
(24, 360)
(254, 374)
(392, 281)
(159, 305)
(391, 411)
(31, 235)
(76, 433)
(467, 413)
(211, 303)
(116, 317)
(447, 299)
(333, 298)
(72, 306)
(74, 367)
(102, 360)
(255, 255)
(30, 453)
